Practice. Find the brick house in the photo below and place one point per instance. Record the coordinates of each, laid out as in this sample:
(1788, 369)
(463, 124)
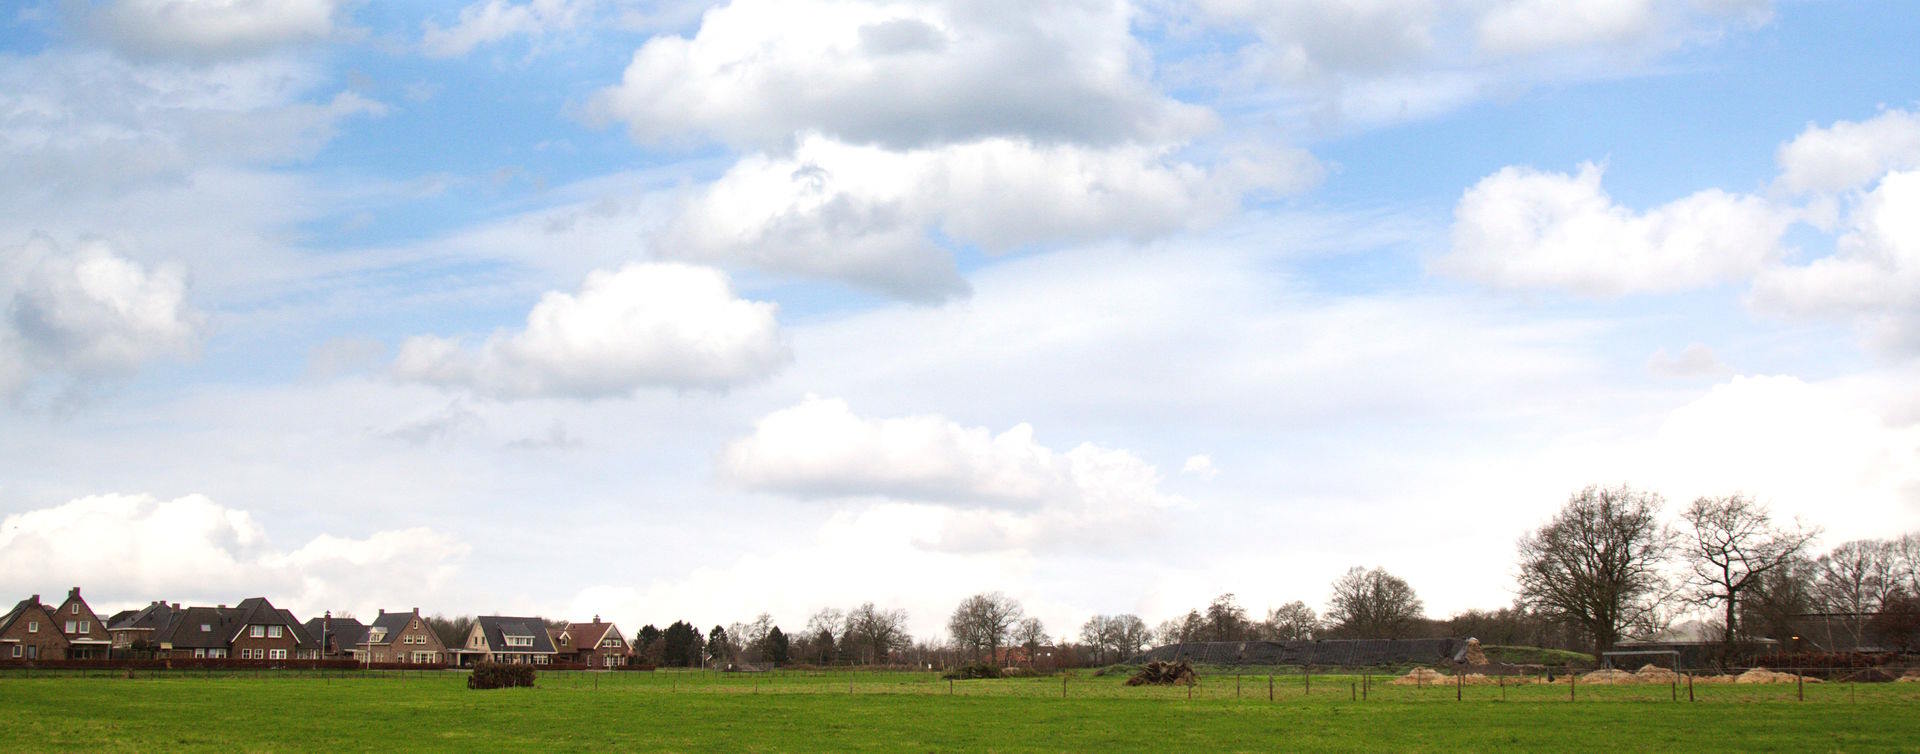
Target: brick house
(337, 637)
(87, 637)
(505, 639)
(593, 644)
(402, 638)
(251, 630)
(28, 632)
(136, 633)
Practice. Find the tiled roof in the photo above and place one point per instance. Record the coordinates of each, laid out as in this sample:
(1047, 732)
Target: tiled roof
(497, 627)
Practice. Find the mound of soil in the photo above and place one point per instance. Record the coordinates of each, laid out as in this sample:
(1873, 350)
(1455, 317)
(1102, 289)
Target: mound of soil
(1608, 677)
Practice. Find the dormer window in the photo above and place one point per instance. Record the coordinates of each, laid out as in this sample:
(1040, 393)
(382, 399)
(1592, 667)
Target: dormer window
(256, 631)
(519, 641)
(205, 627)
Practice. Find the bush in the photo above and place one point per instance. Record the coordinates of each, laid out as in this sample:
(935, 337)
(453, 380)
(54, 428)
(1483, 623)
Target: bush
(973, 670)
(495, 675)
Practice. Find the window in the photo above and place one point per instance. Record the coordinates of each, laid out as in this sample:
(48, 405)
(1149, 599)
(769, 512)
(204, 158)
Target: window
(199, 654)
(611, 643)
(33, 626)
(277, 654)
(273, 632)
(205, 627)
(33, 652)
(256, 631)
(72, 626)
(519, 641)
(16, 650)
(217, 653)
(86, 626)
(76, 608)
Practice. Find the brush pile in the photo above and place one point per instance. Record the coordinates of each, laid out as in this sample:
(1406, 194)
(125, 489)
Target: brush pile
(1160, 673)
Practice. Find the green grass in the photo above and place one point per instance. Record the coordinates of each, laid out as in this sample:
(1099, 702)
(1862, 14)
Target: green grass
(695, 711)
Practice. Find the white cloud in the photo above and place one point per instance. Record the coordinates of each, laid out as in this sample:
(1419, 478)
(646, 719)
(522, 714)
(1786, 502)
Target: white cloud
(1306, 40)
(86, 313)
(1201, 466)
(998, 491)
(210, 29)
(1518, 27)
(494, 20)
(670, 325)
(1873, 274)
(901, 74)
(1849, 154)
(129, 549)
(1521, 228)
(868, 216)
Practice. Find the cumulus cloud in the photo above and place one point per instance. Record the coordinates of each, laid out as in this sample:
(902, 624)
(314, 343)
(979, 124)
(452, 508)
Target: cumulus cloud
(1850, 154)
(135, 548)
(1873, 274)
(901, 74)
(494, 20)
(662, 324)
(1696, 360)
(1522, 228)
(210, 30)
(86, 313)
(996, 491)
(1528, 26)
(1304, 40)
(1200, 466)
(869, 216)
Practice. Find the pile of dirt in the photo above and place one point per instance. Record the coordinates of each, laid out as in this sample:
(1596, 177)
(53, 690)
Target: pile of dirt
(1763, 675)
(1474, 655)
(1870, 675)
(1422, 677)
(1608, 677)
(1160, 673)
(1910, 677)
(1651, 673)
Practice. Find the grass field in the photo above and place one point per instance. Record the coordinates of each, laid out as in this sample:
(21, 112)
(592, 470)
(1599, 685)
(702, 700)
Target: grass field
(696, 711)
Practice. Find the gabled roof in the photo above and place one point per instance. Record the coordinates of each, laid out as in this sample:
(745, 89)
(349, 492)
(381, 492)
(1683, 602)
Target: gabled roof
(497, 627)
(589, 635)
(394, 623)
(157, 617)
(201, 628)
(28, 607)
(346, 633)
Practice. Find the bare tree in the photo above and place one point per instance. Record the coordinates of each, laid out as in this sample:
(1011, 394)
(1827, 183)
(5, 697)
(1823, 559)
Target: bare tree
(1130, 635)
(1187, 628)
(1598, 563)
(1781, 596)
(1030, 634)
(1732, 543)
(1856, 577)
(875, 634)
(1373, 604)
(1227, 620)
(1289, 622)
(982, 622)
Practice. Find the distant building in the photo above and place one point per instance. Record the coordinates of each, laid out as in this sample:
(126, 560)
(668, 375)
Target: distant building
(135, 633)
(593, 644)
(506, 639)
(28, 632)
(251, 630)
(402, 638)
(87, 636)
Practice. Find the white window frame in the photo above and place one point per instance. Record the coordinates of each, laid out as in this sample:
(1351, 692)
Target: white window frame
(276, 654)
(17, 650)
(199, 654)
(33, 626)
(73, 626)
(257, 632)
(76, 608)
(86, 627)
(273, 632)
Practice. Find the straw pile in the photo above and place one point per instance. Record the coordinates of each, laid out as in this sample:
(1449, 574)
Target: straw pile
(1474, 655)
(1763, 675)
(1608, 677)
(1651, 673)
(1422, 677)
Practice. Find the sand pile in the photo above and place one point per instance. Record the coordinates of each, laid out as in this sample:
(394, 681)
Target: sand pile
(1608, 677)
(1763, 675)
(1651, 673)
(1422, 677)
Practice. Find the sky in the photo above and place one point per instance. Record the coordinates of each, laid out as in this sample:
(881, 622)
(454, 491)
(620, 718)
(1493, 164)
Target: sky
(663, 311)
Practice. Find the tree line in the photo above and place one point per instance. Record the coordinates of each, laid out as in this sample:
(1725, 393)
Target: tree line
(1605, 567)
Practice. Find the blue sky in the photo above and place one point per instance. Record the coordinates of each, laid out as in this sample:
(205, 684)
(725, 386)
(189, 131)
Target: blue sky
(669, 310)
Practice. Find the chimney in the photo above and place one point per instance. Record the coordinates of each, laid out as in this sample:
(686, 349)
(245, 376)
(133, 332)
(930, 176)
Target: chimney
(596, 619)
(176, 606)
(35, 598)
(416, 612)
(74, 593)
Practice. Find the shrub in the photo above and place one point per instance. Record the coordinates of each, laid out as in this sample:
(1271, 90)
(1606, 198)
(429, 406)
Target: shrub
(495, 675)
(973, 670)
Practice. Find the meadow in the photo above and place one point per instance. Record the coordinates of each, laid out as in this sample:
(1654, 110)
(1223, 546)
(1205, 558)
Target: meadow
(887, 711)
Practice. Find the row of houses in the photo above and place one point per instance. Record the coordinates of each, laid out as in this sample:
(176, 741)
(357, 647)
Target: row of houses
(254, 629)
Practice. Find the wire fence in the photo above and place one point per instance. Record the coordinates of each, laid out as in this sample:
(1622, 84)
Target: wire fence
(1282, 685)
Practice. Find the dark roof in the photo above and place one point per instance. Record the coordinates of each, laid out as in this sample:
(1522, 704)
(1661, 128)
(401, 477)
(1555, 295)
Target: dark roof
(1331, 652)
(157, 617)
(497, 627)
(585, 635)
(201, 628)
(394, 623)
(346, 633)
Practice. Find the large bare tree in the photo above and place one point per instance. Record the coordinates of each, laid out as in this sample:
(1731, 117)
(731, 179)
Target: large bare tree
(1290, 621)
(982, 622)
(1857, 576)
(874, 633)
(1731, 544)
(1373, 605)
(1114, 638)
(1598, 563)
